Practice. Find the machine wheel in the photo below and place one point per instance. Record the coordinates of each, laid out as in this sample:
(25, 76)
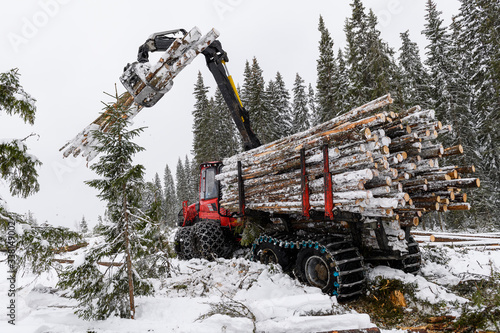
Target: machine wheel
(337, 269)
(208, 240)
(413, 260)
(269, 253)
(183, 243)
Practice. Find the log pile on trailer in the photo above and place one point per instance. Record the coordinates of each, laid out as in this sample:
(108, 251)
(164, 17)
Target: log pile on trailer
(370, 160)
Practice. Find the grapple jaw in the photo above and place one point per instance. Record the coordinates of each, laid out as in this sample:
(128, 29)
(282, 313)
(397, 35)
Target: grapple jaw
(146, 83)
(144, 93)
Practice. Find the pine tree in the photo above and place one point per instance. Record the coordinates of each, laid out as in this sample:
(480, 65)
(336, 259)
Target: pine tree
(129, 236)
(300, 107)
(171, 207)
(327, 71)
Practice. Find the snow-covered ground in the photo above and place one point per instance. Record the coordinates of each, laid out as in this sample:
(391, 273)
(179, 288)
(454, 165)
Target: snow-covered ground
(199, 295)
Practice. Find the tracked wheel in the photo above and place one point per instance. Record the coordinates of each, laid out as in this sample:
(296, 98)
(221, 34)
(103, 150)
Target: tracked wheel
(183, 243)
(208, 240)
(413, 260)
(336, 268)
(270, 253)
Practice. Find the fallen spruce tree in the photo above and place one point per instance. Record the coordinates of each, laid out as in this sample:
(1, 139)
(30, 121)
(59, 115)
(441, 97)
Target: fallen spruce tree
(381, 163)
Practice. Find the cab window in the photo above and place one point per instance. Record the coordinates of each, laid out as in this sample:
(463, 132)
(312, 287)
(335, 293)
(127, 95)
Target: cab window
(209, 188)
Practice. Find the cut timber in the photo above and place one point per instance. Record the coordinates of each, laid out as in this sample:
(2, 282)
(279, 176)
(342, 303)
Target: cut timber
(102, 263)
(459, 206)
(382, 165)
(70, 248)
(455, 150)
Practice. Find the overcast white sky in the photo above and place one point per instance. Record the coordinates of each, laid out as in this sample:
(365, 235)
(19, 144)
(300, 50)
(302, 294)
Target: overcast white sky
(70, 51)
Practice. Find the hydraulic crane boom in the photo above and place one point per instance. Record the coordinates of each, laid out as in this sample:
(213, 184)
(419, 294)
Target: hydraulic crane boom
(216, 59)
(147, 83)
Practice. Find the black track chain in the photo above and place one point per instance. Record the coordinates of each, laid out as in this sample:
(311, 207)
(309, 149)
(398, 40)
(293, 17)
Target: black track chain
(413, 260)
(349, 269)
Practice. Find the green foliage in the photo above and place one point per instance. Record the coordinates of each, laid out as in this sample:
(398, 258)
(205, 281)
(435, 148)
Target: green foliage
(17, 167)
(132, 240)
(84, 227)
(171, 203)
(101, 291)
(255, 101)
(484, 310)
(13, 98)
(300, 107)
(381, 301)
(35, 245)
(415, 84)
(202, 122)
(153, 201)
(250, 232)
(327, 72)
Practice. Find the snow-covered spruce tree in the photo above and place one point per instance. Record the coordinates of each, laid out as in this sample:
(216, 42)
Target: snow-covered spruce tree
(83, 226)
(192, 172)
(129, 239)
(326, 72)
(474, 87)
(283, 114)
(181, 182)
(269, 129)
(254, 101)
(171, 207)
(311, 102)
(37, 245)
(17, 166)
(372, 69)
(341, 85)
(355, 30)
(414, 77)
(226, 139)
(437, 60)
(152, 201)
(32, 246)
(300, 109)
(202, 122)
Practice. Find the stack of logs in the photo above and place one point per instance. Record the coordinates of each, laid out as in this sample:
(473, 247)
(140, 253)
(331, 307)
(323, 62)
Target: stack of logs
(383, 164)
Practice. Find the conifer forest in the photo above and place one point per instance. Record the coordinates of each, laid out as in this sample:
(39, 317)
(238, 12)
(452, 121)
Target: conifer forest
(135, 262)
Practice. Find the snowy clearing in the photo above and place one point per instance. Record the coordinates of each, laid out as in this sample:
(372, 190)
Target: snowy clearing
(199, 295)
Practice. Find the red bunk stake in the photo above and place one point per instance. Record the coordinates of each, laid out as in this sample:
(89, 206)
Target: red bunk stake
(306, 205)
(327, 179)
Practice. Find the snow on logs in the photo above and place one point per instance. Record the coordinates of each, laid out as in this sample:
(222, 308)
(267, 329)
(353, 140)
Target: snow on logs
(382, 164)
